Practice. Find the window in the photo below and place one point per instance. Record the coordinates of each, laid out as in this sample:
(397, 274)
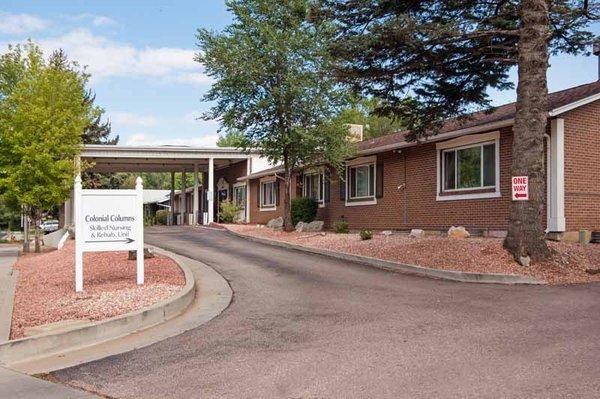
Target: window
(361, 181)
(239, 196)
(472, 167)
(268, 194)
(313, 186)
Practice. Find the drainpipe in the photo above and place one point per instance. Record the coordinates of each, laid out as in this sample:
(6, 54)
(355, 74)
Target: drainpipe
(548, 183)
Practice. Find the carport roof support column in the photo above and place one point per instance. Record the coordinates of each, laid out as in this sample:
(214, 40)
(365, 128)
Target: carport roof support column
(210, 190)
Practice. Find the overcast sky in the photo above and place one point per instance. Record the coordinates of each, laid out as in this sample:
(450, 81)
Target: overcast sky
(140, 55)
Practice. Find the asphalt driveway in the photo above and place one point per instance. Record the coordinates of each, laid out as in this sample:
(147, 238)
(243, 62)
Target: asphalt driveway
(305, 326)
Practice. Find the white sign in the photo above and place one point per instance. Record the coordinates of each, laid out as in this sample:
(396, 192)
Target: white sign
(520, 188)
(108, 220)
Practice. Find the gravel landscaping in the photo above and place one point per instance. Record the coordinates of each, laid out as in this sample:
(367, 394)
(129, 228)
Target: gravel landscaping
(45, 291)
(567, 265)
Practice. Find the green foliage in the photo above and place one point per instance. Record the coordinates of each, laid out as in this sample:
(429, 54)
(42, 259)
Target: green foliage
(9, 218)
(228, 211)
(304, 210)
(273, 84)
(364, 112)
(341, 227)
(365, 234)
(43, 114)
(232, 138)
(446, 54)
(162, 216)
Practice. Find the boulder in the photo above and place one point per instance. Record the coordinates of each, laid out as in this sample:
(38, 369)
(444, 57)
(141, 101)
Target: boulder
(417, 233)
(301, 227)
(316, 225)
(525, 261)
(276, 224)
(458, 232)
(387, 233)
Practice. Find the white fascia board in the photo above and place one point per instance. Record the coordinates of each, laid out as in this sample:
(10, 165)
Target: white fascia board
(573, 105)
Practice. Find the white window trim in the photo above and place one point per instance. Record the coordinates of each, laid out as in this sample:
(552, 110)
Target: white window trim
(268, 208)
(356, 201)
(321, 173)
(237, 185)
(461, 143)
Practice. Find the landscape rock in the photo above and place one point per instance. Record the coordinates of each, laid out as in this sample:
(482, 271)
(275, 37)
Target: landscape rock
(301, 226)
(525, 261)
(316, 225)
(458, 232)
(417, 233)
(276, 224)
(387, 233)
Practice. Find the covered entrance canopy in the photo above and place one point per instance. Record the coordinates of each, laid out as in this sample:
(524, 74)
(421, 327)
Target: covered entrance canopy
(172, 159)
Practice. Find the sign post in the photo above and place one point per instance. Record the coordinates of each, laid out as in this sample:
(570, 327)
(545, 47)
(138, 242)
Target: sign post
(520, 188)
(108, 220)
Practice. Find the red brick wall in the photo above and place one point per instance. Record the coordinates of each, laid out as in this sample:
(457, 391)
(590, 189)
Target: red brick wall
(262, 217)
(415, 205)
(582, 167)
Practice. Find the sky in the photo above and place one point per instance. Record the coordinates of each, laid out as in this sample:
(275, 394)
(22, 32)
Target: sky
(140, 57)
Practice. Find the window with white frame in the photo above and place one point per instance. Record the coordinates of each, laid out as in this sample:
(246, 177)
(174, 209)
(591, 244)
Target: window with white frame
(268, 194)
(361, 181)
(239, 196)
(313, 186)
(469, 167)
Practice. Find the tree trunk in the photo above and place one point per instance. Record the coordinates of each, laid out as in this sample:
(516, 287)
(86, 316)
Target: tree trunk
(38, 247)
(526, 233)
(26, 248)
(288, 225)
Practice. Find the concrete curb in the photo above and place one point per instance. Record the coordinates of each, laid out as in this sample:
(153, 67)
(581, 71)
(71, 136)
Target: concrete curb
(213, 295)
(464, 277)
(93, 333)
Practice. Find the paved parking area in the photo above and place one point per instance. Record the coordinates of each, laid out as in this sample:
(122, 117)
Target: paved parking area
(304, 326)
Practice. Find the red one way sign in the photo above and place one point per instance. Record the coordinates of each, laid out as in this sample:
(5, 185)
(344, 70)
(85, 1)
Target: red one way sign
(520, 188)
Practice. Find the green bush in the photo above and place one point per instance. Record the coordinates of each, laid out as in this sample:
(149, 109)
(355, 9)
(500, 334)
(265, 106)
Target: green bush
(162, 215)
(228, 212)
(366, 234)
(341, 227)
(303, 210)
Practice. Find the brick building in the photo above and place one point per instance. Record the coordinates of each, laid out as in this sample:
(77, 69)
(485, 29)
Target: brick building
(459, 177)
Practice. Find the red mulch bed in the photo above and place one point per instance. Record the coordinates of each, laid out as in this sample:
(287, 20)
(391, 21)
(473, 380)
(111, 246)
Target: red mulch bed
(46, 288)
(567, 265)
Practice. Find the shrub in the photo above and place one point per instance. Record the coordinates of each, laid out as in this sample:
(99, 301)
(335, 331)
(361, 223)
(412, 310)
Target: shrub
(366, 234)
(341, 227)
(162, 216)
(228, 211)
(303, 210)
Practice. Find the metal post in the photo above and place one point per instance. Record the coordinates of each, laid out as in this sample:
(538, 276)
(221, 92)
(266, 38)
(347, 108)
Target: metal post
(210, 190)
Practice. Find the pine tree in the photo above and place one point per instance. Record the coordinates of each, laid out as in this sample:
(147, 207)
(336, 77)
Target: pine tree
(446, 55)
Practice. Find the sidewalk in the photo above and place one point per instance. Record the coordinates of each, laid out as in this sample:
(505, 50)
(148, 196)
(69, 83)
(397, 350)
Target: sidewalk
(8, 283)
(15, 385)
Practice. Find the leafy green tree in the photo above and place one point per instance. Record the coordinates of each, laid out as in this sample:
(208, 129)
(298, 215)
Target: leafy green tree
(364, 112)
(42, 117)
(446, 54)
(274, 85)
(231, 138)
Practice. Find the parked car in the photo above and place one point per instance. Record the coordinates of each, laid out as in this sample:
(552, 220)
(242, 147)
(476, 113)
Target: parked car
(49, 226)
